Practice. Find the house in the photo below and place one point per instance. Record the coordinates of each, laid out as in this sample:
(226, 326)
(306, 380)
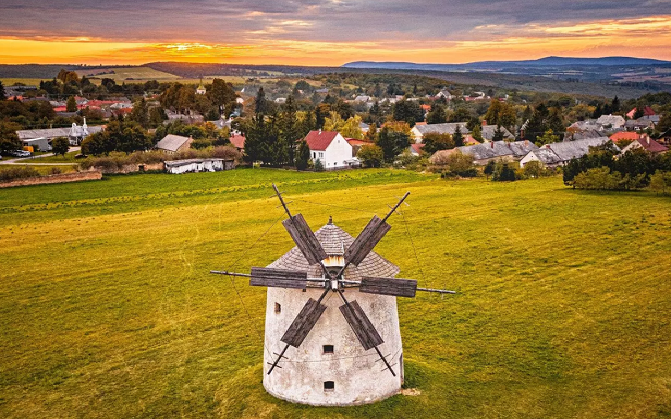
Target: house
(357, 144)
(420, 130)
(174, 143)
(573, 135)
(197, 165)
(488, 132)
(364, 127)
(559, 154)
(331, 149)
(38, 144)
(362, 99)
(444, 94)
(281, 100)
(238, 141)
(75, 134)
(647, 111)
(647, 144)
(611, 122)
(416, 149)
(589, 124)
(624, 136)
(636, 125)
(498, 151)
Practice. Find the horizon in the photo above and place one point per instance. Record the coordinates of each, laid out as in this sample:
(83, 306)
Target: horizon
(102, 65)
(327, 32)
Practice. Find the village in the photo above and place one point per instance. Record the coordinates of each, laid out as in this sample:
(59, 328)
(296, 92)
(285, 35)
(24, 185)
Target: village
(310, 129)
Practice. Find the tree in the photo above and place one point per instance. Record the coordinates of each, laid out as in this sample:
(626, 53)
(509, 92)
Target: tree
(461, 115)
(664, 122)
(96, 144)
(504, 173)
(303, 156)
(434, 142)
(547, 138)
(3, 96)
(71, 105)
(438, 115)
(322, 111)
(498, 134)
(477, 133)
(140, 114)
(392, 141)
(9, 140)
(407, 111)
(60, 145)
(319, 166)
(615, 105)
(458, 137)
(489, 168)
(223, 96)
(371, 134)
(555, 121)
(370, 155)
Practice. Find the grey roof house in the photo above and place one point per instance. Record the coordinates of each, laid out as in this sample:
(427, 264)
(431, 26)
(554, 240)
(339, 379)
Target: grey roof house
(558, 154)
(173, 143)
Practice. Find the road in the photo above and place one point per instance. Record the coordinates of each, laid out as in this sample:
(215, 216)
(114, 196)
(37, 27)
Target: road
(29, 161)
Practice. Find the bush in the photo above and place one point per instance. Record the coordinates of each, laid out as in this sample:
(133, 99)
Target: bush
(505, 172)
(370, 155)
(319, 167)
(660, 182)
(21, 172)
(603, 179)
(453, 164)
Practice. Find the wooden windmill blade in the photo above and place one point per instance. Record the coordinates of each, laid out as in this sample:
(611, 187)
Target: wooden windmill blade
(375, 230)
(388, 286)
(364, 330)
(278, 278)
(303, 323)
(305, 239)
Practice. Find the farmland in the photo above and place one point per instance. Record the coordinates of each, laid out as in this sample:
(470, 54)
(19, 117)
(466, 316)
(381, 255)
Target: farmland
(109, 311)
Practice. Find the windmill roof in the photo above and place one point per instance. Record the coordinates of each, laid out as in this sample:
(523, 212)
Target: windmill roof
(335, 241)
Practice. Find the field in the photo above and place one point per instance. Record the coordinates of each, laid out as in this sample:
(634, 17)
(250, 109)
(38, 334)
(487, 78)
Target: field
(126, 73)
(108, 309)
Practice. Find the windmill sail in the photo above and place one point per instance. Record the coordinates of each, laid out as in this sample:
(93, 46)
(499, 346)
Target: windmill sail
(303, 323)
(367, 240)
(305, 239)
(389, 286)
(361, 325)
(279, 278)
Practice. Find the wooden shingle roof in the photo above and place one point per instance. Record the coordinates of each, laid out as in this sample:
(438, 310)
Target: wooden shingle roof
(335, 241)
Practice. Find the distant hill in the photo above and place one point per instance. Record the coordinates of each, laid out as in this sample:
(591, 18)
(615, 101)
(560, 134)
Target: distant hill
(491, 65)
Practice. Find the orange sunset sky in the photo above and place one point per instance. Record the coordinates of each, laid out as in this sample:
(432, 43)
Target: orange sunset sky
(329, 32)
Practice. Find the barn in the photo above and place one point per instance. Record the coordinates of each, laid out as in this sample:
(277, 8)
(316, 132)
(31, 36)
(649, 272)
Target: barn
(198, 165)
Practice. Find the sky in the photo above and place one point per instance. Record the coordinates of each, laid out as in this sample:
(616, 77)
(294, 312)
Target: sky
(328, 32)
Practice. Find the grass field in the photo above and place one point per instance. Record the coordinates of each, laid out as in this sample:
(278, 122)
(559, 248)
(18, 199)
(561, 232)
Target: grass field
(108, 309)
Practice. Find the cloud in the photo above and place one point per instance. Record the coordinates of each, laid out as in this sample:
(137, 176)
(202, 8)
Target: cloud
(433, 29)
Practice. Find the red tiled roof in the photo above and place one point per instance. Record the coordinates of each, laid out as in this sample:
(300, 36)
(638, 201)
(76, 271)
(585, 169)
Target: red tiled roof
(354, 141)
(320, 140)
(625, 135)
(417, 147)
(652, 146)
(238, 141)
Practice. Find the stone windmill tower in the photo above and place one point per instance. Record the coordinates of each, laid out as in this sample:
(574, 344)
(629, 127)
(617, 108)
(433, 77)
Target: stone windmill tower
(333, 300)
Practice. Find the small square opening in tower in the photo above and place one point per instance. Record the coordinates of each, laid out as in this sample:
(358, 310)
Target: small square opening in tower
(329, 386)
(328, 349)
(278, 308)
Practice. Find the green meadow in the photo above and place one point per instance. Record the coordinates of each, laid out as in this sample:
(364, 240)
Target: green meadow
(108, 310)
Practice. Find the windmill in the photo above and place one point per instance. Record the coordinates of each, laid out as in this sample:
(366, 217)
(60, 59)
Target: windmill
(340, 357)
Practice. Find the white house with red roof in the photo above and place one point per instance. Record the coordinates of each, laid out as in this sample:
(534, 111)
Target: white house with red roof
(331, 149)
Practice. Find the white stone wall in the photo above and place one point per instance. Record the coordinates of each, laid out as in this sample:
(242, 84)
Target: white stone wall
(358, 375)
